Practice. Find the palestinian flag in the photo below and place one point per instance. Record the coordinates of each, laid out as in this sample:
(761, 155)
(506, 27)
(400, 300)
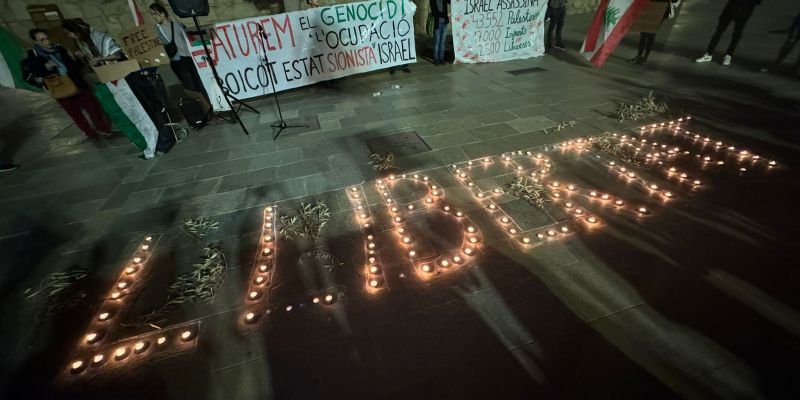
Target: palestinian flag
(12, 53)
(612, 20)
(128, 115)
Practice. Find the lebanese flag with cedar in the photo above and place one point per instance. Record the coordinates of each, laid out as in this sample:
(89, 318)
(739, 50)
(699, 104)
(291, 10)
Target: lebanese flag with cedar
(612, 20)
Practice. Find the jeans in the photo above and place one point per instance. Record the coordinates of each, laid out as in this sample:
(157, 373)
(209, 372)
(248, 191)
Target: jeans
(75, 105)
(556, 22)
(738, 14)
(439, 35)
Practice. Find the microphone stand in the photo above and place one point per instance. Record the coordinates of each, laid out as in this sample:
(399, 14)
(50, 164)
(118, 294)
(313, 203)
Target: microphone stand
(225, 92)
(281, 124)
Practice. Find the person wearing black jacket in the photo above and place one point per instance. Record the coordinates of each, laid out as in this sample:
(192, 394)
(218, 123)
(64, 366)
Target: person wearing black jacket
(47, 59)
(441, 19)
(738, 12)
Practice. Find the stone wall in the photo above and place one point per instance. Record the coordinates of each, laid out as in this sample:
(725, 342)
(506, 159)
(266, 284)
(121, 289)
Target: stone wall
(113, 16)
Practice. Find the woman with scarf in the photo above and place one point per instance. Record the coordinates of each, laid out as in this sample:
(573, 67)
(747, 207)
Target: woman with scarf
(135, 103)
(47, 59)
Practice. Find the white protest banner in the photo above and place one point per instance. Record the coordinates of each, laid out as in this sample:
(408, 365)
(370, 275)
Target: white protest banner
(497, 30)
(309, 46)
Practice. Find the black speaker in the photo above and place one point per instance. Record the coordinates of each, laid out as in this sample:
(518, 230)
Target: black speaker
(189, 8)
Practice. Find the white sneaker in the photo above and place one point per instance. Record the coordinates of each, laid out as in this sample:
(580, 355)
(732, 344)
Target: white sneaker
(704, 59)
(726, 60)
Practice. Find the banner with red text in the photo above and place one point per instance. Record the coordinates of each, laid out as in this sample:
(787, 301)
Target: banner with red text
(305, 47)
(497, 30)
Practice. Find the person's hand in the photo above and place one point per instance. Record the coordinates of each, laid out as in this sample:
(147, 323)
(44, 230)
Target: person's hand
(50, 65)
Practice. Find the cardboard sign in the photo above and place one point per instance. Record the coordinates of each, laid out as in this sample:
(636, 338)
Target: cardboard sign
(142, 43)
(651, 18)
(115, 71)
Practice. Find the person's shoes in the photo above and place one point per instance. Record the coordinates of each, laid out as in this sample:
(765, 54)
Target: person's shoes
(435, 62)
(104, 135)
(704, 59)
(634, 60)
(407, 70)
(8, 167)
(641, 61)
(560, 46)
(765, 70)
(391, 71)
(726, 60)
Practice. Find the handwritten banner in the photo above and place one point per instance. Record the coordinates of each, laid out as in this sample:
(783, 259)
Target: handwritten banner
(142, 44)
(497, 30)
(305, 47)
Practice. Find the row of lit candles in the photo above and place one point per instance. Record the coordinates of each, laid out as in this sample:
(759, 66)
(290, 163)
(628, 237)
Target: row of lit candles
(433, 197)
(264, 266)
(373, 273)
(139, 347)
(741, 154)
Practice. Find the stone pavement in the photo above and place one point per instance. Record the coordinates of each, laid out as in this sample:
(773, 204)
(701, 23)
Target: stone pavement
(697, 298)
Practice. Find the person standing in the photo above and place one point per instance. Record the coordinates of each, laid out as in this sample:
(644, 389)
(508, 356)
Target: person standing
(557, 10)
(738, 12)
(47, 60)
(647, 39)
(137, 101)
(788, 45)
(173, 36)
(440, 22)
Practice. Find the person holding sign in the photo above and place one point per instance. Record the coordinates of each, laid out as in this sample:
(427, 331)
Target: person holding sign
(647, 36)
(440, 22)
(131, 101)
(50, 65)
(173, 37)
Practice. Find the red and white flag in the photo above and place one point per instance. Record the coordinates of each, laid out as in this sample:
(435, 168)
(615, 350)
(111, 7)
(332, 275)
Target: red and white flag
(612, 20)
(137, 15)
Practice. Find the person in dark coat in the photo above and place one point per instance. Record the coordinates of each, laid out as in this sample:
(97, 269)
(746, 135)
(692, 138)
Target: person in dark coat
(738, 12)
(47, 59)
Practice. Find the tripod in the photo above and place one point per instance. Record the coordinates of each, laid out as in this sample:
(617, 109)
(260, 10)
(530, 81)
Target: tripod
(225, 92)
(281, 124)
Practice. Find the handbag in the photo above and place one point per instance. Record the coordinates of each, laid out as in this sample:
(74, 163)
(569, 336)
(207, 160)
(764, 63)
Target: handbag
(60, 86)
(171, 47)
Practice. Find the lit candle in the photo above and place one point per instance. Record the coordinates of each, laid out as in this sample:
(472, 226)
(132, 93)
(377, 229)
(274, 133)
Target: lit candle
(329, 298)
(76, 365)
(253, 295)
(426, 268)
(115, 295)
(130, 270)
(263, 267)
(103, 316)
(445, 263)
(315, 300)
(122, 285)
(98, 359)
(592, 219)
(139, 347)
(186, 335)
(504, 220)
(161, 340)
(564, 229)
(289, 308)
(373, 269)
(406, 240)
(249, 317)
(91, 337)
(259, 280)
(468, 251)
(551, 233)
(267, 251)
(121, 352)
(412, 253)
(526, 240)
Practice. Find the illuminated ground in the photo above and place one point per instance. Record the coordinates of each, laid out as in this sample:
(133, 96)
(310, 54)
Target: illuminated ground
(695, 297)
